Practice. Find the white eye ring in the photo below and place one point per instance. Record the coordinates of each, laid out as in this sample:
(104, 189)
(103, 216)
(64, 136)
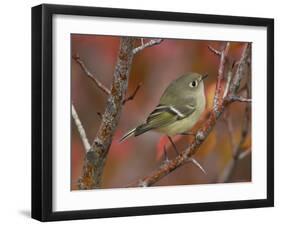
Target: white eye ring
(193, 84)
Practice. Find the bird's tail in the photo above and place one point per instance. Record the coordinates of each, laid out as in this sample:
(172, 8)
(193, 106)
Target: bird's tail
(128, 134)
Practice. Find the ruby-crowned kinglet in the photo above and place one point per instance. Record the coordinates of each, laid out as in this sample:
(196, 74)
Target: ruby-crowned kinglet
(179, 109)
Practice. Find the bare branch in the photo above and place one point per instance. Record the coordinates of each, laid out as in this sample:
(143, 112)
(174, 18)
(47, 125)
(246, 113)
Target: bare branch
(216, 52)
(80, 129)
(219, 89)
(90, 75)
(151, 43)
(95, 158)
(241, 69)
(132, 96)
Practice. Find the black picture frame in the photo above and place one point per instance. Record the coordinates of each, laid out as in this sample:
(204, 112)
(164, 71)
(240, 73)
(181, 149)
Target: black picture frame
(42, 107)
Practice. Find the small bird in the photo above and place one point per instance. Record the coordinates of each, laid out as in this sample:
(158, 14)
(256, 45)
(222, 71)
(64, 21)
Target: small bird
(180, 107)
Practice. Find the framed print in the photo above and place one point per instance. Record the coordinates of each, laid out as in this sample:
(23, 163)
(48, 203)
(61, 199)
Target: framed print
(147, 112)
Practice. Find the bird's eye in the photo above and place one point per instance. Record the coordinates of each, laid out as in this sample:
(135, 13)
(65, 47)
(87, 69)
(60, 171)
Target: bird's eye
(193, 84)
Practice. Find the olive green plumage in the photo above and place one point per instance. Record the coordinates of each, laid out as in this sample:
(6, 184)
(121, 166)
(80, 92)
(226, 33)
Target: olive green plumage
(179, 108)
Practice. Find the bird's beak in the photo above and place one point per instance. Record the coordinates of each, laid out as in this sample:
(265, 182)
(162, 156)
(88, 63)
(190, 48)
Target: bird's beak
(204, 76)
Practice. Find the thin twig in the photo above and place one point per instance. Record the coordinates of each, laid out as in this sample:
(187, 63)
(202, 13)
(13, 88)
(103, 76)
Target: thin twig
(132, 96)
(218, 98)
(216, 52)
(80, 129)
(90, 75)
(242, 64)
(151, 43)
(239, 98)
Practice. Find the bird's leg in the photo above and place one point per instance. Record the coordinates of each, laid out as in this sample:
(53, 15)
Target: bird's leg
(173, 144)
(188, 134)
(166, 159)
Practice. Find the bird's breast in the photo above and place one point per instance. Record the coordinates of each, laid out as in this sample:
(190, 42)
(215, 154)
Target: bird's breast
(187, 123)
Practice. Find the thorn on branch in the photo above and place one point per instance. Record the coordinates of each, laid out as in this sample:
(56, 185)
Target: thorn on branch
(99, 114)
(132, 96)
(233, 98)
(243, 154)
(151, 43)
(193, 160)
(77, 58)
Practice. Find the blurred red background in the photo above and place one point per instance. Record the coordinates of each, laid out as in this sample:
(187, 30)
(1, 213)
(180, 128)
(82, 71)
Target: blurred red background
(155, 68)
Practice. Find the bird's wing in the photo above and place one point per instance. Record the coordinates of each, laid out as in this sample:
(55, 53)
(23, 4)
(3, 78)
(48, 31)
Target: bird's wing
(164, 115)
